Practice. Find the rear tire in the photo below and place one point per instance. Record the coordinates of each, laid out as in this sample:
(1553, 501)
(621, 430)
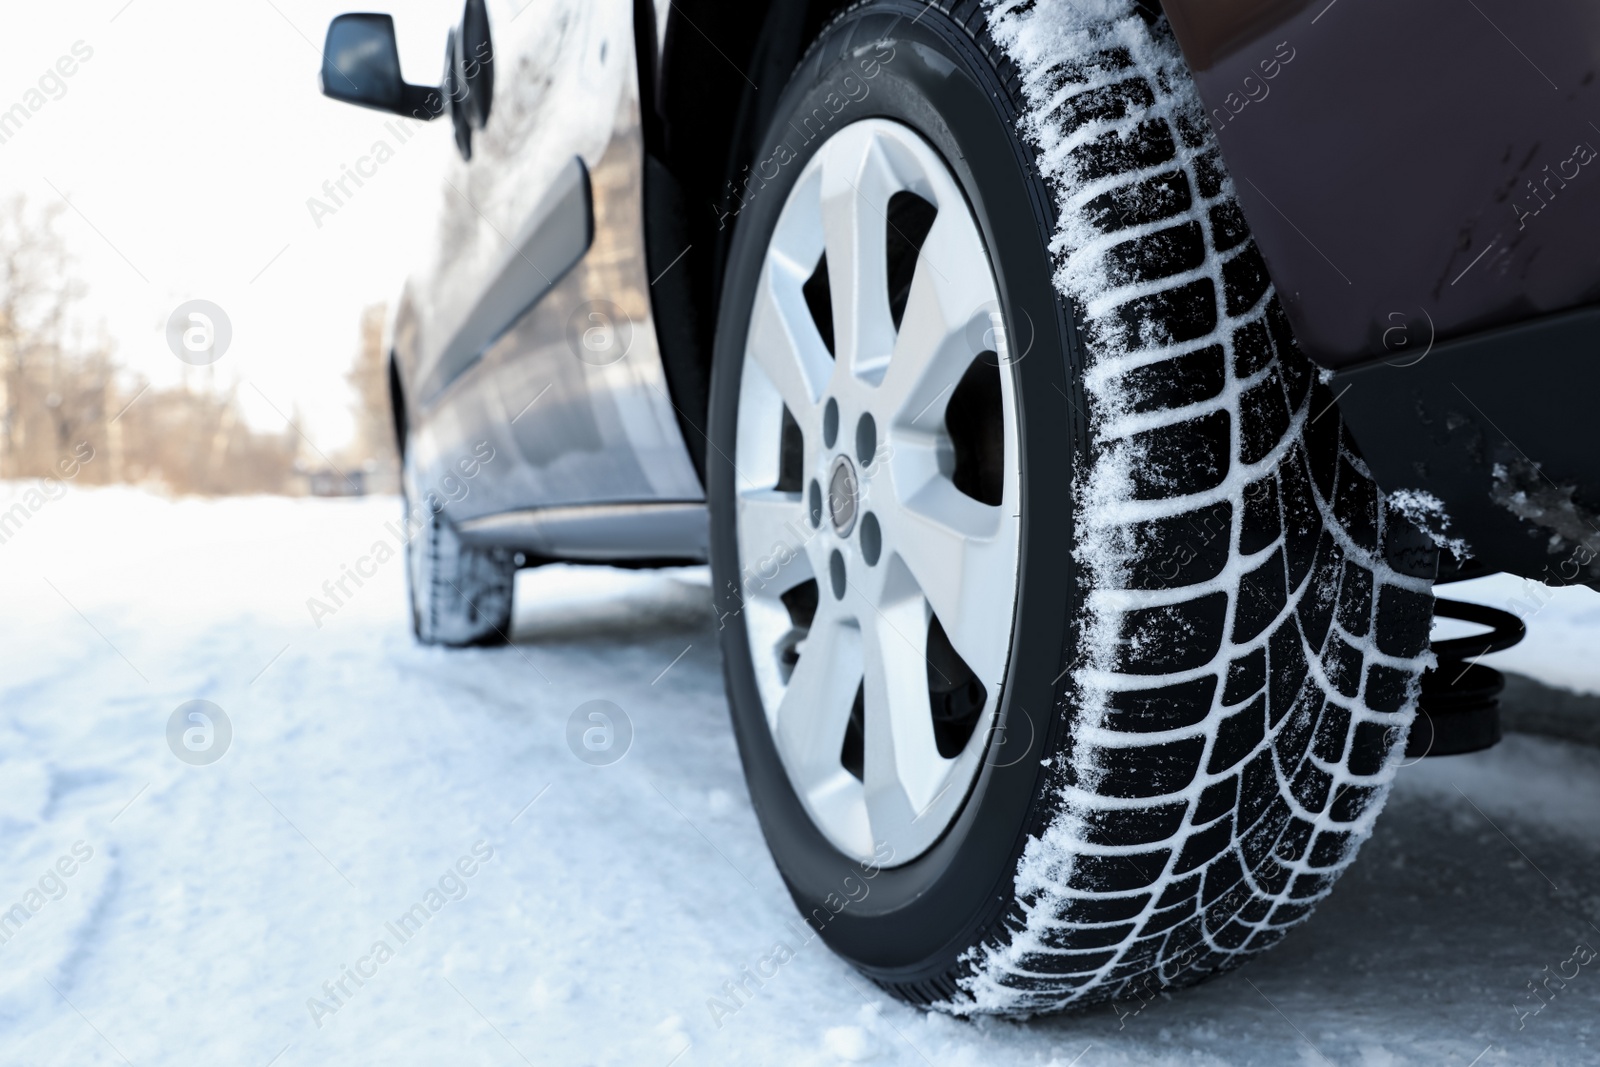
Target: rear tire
(1215, 649)
(460, 595)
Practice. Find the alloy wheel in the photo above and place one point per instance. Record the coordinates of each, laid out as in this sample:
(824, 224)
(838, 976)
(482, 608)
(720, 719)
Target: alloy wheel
(878, 492)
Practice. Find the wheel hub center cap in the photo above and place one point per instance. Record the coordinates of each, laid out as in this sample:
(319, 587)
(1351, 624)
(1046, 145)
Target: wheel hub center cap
(842, 491)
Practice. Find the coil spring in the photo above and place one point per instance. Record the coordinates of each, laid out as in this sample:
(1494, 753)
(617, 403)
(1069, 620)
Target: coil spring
(1460, 708)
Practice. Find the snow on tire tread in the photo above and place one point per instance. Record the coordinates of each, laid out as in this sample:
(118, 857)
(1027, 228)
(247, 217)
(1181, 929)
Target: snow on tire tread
(1255, 626)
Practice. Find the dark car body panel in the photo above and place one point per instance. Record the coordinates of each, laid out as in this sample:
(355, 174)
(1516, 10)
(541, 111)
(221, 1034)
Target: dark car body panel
(1418, 170)
(1423, 181)
(1518, 492)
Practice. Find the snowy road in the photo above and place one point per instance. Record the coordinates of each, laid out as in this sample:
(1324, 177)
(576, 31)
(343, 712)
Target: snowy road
(571, 913)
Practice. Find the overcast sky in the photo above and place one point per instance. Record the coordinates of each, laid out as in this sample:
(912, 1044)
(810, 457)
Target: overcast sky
(188, 144)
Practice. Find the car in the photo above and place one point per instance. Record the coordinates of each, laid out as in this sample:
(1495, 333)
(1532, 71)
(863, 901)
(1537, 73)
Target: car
(1076, 404)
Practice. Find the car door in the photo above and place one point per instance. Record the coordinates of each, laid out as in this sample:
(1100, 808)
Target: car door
(530, 329)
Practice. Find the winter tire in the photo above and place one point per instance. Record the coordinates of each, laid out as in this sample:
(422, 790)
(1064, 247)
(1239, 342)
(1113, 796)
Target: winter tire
(1081, 671)
(460, 595)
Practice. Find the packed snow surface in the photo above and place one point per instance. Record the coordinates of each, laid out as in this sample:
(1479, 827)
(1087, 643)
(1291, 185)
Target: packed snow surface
(608, 906)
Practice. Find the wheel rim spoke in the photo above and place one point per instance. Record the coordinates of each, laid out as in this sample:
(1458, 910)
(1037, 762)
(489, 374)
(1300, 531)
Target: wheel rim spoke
(947, 321)
(784, 342)
(772, 526)
(809, 723)
(903, 770)
(857, 182)
(960, 554)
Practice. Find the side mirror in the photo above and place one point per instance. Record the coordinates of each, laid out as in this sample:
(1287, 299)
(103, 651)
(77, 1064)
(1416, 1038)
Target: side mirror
(455, 90)
(361, 65)
(469, 74)
(475, 62)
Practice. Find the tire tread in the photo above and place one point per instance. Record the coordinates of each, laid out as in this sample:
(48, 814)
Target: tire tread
(1256, 775)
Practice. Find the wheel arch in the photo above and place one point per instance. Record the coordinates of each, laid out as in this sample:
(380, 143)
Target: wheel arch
(708, 81)
(397, 406)
(401, 337)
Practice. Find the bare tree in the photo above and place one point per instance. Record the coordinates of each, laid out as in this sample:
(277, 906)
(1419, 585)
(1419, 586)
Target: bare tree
(57, 396)
(36, 296)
